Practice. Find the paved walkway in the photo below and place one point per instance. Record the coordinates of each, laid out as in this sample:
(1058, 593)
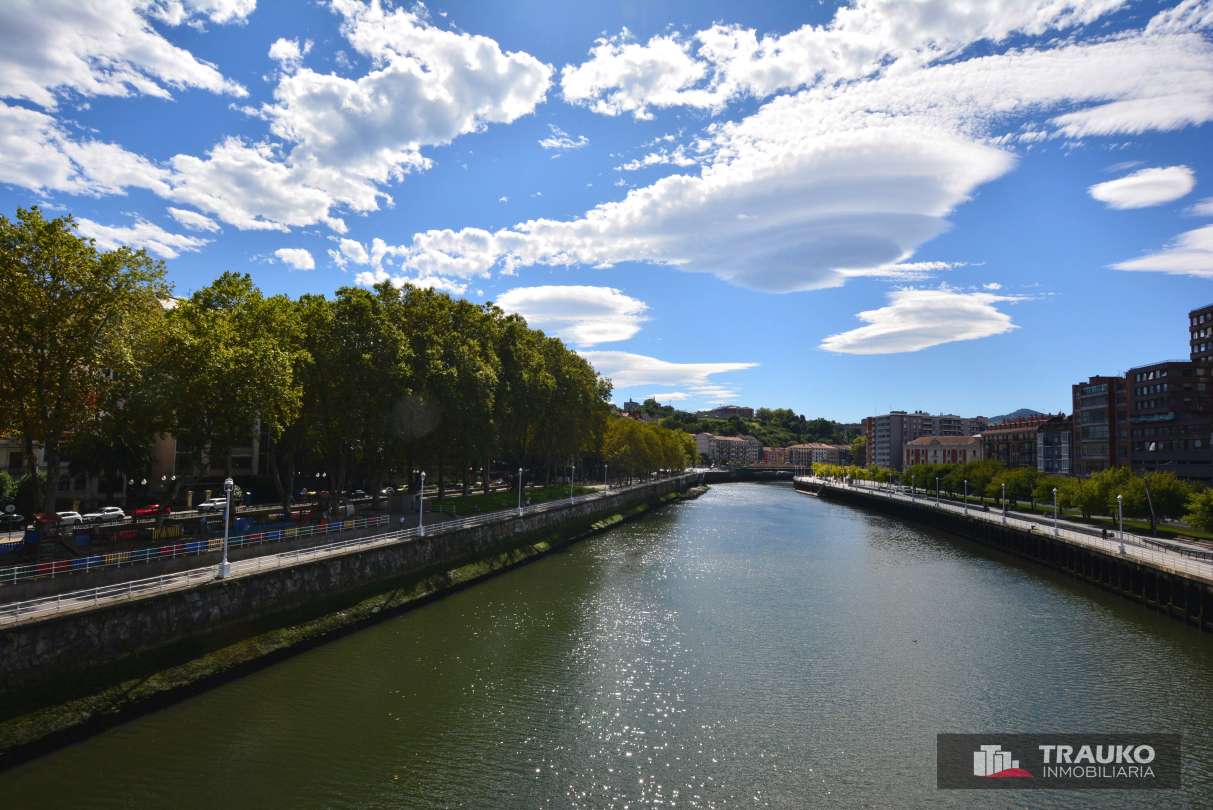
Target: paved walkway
(1133, 547)
(78, 601)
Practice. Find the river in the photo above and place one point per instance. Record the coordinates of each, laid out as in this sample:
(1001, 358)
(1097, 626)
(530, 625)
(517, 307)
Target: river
(752, 648)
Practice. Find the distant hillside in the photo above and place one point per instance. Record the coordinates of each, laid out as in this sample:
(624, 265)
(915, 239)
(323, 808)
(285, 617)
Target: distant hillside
(774, 427)
(1022, 413)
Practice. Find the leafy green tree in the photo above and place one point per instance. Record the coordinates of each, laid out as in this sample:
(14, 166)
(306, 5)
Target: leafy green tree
(1155, 496)
(234, 369)
(1200, 510)
(69, 313)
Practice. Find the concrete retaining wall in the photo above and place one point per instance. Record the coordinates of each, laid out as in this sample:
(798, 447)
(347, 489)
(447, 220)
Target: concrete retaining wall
(60, 645)
(1183, 598)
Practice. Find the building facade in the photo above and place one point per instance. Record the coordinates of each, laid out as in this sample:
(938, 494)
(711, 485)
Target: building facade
(1012, 442)
(775, 456)
(730, 451)
(1101, 424)
(1200, 335)
(1171, 419)
(942, 450)
(810, 453)
(1054, 446)
(888, 434)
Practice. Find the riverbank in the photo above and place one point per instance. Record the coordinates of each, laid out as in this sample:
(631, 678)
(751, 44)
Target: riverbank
(1179, 586)
(49, 712)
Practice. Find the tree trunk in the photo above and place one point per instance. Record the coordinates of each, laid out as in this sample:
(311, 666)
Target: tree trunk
(488, 473)
(51, 457)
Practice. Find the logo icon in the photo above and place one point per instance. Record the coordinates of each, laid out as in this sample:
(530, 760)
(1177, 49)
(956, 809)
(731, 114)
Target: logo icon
(994, 763)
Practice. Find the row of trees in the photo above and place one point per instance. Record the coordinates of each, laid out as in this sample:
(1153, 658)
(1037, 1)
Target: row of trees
(1152, 496)
(632, 448)
(98, 359)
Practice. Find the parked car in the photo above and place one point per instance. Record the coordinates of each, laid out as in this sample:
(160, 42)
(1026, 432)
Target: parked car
(358, 493)
(212, 505)
(387, 491)
(70, 518)
(152, 510)
(10, 521)
(106, 514)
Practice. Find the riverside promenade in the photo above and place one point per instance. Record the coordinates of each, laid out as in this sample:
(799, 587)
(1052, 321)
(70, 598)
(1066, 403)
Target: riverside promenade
(136, 588)
(1172, 577)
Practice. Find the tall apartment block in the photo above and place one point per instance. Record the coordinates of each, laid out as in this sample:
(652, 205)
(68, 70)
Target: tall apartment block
(1101, 424)
(1171, 408)
(887, 435)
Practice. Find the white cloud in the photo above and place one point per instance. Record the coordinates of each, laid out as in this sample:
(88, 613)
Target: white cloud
(297, 258)
(176, 12)
(1191, 254)
(247, 186)
(918, 319)
(354, 252)
(850, 179)
(289, 53)
(426, 86)
(709, 68)
(1188, 15)
(627, 370)
(668, 396)
(193, 220)
(561, 140)
(369, 278)
(1202, 208)
(503, 199)
(101, 48)
(993, 285)
(38, 154)
(1145, 187)
(142, 234)
(662, 157)
(580, 315)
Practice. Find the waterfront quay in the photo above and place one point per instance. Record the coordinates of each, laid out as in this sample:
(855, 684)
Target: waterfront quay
(1169, 577)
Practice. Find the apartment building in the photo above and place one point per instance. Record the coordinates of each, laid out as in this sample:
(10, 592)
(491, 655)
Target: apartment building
(807, 454)
(1101, 424)
(728, 450)
(1013, 442)
(1171, 419)
(1055, 446)
(888, 434)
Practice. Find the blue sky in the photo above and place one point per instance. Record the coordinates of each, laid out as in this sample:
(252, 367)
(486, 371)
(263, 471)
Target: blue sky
(842, 209)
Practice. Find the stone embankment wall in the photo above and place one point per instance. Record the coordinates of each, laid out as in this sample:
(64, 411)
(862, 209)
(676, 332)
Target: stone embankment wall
(1186, 598)
(34, 653)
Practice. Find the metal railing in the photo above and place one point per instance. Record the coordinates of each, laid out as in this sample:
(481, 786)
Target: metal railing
(86, 599)
(1133, 546)
(50, 569)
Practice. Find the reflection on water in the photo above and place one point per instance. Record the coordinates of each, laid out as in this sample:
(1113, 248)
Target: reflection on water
(753, 648)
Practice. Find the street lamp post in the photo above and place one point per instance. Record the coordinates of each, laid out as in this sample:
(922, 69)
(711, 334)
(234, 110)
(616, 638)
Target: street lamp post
(225, 567)
(966, 506)
(606, 481)
(1054, 511)
(1004, 502)
(572, 478)
(519, 492)
(937, 490)
(421, 508)
(1120, 516)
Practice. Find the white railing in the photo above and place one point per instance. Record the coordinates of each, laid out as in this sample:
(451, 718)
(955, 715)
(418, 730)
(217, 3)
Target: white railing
(177, 548)
(1133, 547)
(73, 601)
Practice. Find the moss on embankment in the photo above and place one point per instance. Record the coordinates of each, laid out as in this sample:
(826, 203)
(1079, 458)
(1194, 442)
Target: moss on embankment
(62, 712)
